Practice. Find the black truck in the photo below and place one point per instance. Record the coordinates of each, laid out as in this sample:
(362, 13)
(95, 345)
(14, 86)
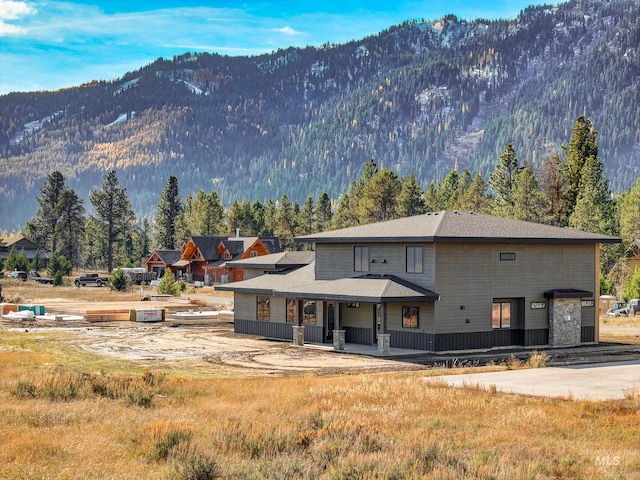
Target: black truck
(90, 279)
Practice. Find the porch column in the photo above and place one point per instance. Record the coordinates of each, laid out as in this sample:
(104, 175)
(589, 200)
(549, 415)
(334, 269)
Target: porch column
(384, 338)
(298, 335)
(338, 333)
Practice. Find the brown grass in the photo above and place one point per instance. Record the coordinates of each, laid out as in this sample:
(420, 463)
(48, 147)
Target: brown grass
(377, 426)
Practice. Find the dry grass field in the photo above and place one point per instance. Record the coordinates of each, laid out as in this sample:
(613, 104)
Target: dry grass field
(62, 418)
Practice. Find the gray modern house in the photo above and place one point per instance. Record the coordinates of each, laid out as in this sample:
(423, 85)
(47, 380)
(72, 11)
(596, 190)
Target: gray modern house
(435, 282)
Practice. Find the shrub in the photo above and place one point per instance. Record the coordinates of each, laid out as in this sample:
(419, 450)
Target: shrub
(190, 464)
(167, 285)
(538, 359)
(118, 280)
(165, 441)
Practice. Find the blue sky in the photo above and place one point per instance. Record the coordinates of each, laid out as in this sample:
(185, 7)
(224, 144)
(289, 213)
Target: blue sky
(48, 44)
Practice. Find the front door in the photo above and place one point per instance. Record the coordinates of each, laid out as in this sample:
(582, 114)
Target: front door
(331, 321)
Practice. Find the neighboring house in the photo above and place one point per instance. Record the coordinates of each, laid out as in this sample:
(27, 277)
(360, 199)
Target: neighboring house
(434, 282)
(21, 244)
(256, 266)
(160, 260)
(204, 258)
(239, 248)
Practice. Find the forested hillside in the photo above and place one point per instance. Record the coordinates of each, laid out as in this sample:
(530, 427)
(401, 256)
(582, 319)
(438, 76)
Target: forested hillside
(419, 98)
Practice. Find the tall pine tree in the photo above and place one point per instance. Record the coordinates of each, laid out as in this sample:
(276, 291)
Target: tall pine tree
(169, 209)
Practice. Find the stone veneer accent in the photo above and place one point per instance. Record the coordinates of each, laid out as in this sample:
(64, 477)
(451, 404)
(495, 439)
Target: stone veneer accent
(565, 321)
(298, 335)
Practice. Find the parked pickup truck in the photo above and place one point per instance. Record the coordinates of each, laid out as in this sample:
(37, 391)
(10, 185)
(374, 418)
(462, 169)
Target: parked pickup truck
(90, 279)
(35, 276)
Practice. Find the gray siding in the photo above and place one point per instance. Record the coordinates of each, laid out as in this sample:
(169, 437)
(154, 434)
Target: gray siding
(425, 320)
(335, 261)
(361, 317)
(245, 307)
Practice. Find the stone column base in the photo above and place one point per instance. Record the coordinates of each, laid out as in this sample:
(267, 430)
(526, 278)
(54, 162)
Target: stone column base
(298, 335)
(384, 342)
(338, 339)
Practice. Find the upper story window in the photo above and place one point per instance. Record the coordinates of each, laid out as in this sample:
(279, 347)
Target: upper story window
(253, 254)
(226, 255)
(414, 260)
(360, 259)
(507, 256)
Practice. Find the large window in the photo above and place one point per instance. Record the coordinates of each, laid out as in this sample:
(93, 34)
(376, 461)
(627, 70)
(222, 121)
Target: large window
(292, 310)
(309, 312)
(414, 259)
(262, 308)
(360, 259)
(410, 317)
(501, 315)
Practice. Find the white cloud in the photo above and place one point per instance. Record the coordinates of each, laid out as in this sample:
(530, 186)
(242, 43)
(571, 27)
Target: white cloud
(12, 10)
(286, 31)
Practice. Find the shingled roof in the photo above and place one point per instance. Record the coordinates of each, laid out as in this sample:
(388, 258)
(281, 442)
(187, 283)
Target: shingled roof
(275, 260)
(452, 226)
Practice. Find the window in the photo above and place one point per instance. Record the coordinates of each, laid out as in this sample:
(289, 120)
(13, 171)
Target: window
(253, 254)
(309, 312)
(292, 310)
(226, 255)
(410, 317)
(360, 259)
(414, 259)
(507, 256)
(262, 312)
(501, 315)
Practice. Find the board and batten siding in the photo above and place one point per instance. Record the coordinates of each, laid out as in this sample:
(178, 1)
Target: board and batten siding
(335, 261)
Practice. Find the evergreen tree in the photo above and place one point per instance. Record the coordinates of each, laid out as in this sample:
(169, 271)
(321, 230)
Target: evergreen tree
(204, 214)
(554, 188)
(431, 198)
(269, 219)
(632, 286)
(114, 216)
(70, 226)
(594, 210)
(141, 241)
(345, 215)
(629, 214)
(169, 209)
(286, 223)
(410, 200)
(58, 267)
(258, 216)
(307, 217)
(502, 180)
(528, 200)
(447, 191)
(379, 198)
(474, 198)
(582, 146)
(323, 212)
(48, 214)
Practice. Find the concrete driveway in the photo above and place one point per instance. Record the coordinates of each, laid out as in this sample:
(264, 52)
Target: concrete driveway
(597, 381)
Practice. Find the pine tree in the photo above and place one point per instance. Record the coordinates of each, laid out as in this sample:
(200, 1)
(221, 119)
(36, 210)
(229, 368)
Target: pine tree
(323, 212)
(114, 216)
(43, 229)
(447, 191)
(70, 226)
(594, 210)
(142, 240)
(410, 200)
(379, 198)
(502, 180)
(307, 217)
(286, 223)
(474, 198)
(582, 146)
(629, 214)
(528, 200)
(554, 188)
(169, 209)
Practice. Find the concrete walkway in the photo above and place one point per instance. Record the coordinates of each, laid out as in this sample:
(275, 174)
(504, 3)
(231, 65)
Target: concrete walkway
(597, 381)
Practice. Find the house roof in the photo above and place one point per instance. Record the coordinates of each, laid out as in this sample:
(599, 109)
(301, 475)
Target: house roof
(269, 282)
(168, 256)
(208, 246)
(368, 288)
(452, 226)
(275, 260)
(301, 283)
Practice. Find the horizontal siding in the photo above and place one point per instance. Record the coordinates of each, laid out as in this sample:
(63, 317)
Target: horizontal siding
(361, 336)
(282, 331)
(425, 319)
(336, 261)
(412, 340)
(538, 336)
(313, 334)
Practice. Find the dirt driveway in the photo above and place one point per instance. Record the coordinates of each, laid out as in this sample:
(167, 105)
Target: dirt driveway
(210, 343)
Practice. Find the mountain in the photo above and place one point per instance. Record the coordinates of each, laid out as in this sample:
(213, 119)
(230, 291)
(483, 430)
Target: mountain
(419, 97)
